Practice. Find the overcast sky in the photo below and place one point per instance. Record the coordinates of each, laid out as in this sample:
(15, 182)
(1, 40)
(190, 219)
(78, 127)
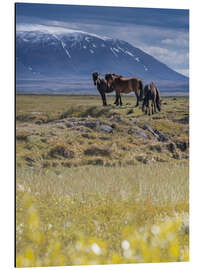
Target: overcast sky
(163, 33)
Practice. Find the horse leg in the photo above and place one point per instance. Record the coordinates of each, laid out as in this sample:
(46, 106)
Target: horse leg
(105, 103)
(143, 104)
(121, 103)
(148, 106)
(137, 104)
(117, 98)
(155, 107)
(116, 101)
(103, 96)
(155, 104)
(152, 105)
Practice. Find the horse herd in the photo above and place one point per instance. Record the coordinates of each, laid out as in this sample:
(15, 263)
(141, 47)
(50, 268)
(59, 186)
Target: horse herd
(119, 84)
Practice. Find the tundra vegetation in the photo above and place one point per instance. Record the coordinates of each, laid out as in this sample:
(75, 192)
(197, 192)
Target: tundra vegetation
(100, 185)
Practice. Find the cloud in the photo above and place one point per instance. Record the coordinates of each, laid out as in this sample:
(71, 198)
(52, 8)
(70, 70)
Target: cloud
(183, 71)
(173, 58)
(179, 41)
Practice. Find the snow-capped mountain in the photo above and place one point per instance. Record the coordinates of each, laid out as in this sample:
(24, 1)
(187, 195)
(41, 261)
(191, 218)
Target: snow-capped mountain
(76, 53)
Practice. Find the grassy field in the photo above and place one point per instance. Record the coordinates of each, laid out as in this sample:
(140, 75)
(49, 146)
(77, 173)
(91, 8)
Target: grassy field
(101, 185)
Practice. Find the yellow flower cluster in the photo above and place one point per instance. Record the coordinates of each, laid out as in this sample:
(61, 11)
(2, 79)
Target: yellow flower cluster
(45, 239)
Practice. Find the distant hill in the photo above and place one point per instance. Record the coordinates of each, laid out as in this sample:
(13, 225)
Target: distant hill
(49, 61)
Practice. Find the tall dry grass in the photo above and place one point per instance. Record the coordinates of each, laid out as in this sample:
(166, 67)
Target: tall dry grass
(99, 215)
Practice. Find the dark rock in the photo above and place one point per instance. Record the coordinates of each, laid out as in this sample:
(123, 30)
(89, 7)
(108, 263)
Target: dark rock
(130, 131)
(61, 150)
(96, 162)
(142, 159)
(89, 124)
(29, 161)
(171, 147)
(119, 119)
(38, 122)
(130, 111)
(66, 164)
(113, 125)
(182, 145)
(158, 159)
(176, 155)
(162, 137)
(88, 136)
(60, 126)
(106, 128)
(69, 124)
(156, 147)
(184, 120)
(146, 127)
(95, 151)
(104, 138)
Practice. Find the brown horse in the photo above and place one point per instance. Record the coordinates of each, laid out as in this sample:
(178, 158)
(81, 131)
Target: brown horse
(125, 85)
(151, 92)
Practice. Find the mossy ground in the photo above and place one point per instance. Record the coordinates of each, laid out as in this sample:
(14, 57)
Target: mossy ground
(85, 196)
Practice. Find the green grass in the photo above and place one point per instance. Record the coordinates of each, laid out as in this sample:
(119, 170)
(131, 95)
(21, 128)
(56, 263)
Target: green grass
(88, 197)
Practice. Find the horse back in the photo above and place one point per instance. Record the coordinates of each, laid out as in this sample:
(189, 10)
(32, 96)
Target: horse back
(127, 83)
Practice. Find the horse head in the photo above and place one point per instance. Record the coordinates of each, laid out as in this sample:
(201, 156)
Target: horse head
(95, 76)
(108, 77)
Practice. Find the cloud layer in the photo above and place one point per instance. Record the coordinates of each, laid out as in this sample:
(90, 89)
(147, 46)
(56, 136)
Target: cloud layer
(162, 33)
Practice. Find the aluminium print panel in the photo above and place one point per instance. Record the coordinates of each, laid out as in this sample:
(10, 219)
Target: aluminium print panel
(102, 135)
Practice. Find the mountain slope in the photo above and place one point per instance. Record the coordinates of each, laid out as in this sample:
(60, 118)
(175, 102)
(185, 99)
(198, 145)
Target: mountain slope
(75, 53)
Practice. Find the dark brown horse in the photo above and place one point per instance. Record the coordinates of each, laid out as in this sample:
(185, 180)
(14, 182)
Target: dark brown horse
(151, 92)
(103, 87)
(125, 85)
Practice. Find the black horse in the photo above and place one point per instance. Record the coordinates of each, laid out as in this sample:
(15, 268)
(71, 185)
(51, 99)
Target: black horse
(103, 87)
(151, 92)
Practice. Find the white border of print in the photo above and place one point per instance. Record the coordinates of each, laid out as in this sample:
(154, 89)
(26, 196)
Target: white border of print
(7, 129)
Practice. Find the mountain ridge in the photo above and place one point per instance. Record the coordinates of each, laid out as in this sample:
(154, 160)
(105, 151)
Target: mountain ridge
(76, 53)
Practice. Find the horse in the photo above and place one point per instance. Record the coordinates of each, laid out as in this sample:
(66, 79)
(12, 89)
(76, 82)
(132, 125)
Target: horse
(103, 87)
(125, 85)
(151, 92)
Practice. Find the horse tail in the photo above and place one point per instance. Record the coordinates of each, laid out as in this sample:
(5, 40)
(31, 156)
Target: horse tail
(141, 89)
(158, 100)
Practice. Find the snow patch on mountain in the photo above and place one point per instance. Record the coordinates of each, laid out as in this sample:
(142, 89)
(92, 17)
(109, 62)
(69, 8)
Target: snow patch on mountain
(129, 53)
(56, 30)
(112, 49)
(73, 52)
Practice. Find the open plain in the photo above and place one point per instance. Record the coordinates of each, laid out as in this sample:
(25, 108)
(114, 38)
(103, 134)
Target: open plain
(101, 185)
